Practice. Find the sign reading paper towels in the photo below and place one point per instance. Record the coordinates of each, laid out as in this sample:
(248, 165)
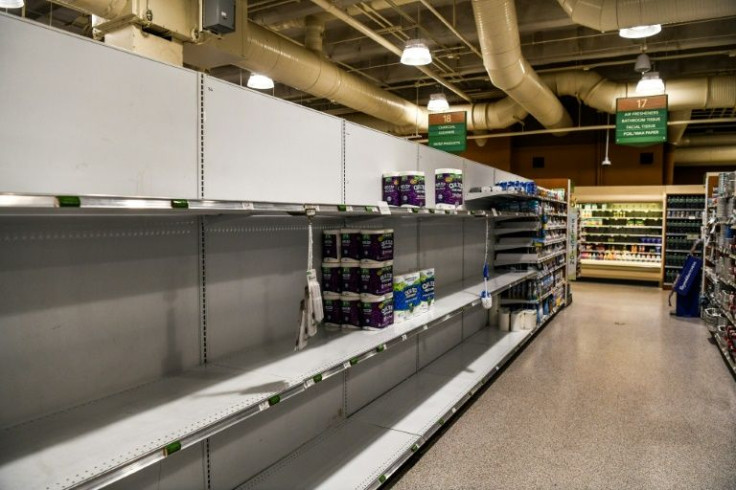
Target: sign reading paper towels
(641, 121)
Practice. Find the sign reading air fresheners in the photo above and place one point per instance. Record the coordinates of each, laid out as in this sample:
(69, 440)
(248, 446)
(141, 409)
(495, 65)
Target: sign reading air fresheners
(641, 121)
(448, 131)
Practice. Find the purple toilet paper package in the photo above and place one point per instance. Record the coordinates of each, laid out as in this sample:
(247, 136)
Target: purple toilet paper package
(351, 310)
(376, 311)
(332, 306)
(350, 281)
(331, 246)
(351, 246)
(376, 278)
(331, 279)
(390, 188)
(377, 244)
(448, 186)
(413, 189)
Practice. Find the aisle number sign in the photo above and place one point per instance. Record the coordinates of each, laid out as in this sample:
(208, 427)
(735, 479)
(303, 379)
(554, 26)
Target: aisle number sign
(448, 131)
(641, 121)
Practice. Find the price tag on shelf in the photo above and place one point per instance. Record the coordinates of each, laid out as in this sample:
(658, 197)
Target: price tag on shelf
(263, 405)
(404, 337)
(346, 364)
(248, 206)
(383, 207)
(308, 383)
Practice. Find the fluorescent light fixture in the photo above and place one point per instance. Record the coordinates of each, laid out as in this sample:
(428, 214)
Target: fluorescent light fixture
(437, 103)
(650, 84)
(260, 82)
(416, 53)
(643, 64)
(639, 32)
(11, 4)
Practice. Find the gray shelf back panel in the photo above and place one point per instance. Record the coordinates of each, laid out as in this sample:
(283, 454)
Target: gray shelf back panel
(502, 175)
(255, 281)
(477, 175)
(433, 343)
(92, 307)
(441, 247)
(264, 149)
(252, 446)
(369, 153)
(372, 378)
(91, 119)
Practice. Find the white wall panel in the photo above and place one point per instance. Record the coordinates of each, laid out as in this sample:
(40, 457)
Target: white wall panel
(90, 307)
(265, 149)
(435, 342)
(369, 153)
(431, 159)
(502, 175)
(477, 175)
(251, 446)
(80, 117)
(374, 377)
(182, 471)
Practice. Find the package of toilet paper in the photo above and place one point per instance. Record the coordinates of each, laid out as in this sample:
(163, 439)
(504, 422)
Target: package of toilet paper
(351, 245)
(350, 276)
(350, 307)
(331, 279)
(377, 244)
(401, 305)
(426, 279)
(413, 292)
(376, 277)
(413, 189)
(332, 306)
(377, 311)
(331, 246)
(390, 184)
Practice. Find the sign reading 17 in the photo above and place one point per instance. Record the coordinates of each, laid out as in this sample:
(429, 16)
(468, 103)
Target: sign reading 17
(641, 103)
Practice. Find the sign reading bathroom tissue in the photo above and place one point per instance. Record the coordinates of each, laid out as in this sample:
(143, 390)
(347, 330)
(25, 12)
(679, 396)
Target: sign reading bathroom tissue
(641, 121)
(448, 131)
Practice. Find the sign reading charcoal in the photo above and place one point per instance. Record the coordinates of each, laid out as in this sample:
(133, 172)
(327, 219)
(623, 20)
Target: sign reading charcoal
(641, 121)
(448, 131)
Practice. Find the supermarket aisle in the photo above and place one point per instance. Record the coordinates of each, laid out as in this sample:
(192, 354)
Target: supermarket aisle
(613, 394)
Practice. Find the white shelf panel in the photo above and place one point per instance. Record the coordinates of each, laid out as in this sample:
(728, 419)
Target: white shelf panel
(353, 455)
(528, 244)
(623, 217)
(621, 234)
(622, 263)
(70, 447)
(622, 243)
(369, 446)
(126, 432)
(486, 200)
(518, 301)
(511, 261)
(620, 226)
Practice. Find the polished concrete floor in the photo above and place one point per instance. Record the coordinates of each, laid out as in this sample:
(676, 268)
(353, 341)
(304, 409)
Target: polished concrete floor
(613, 393)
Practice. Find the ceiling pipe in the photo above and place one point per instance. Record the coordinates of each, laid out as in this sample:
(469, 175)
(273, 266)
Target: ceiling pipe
(365, 30)
(705, 156)
(611, 15)
(709, 140)
(509, 70)
(675, 132)
(314, 33)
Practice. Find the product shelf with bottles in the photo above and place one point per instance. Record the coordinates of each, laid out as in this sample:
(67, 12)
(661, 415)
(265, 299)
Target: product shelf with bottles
(719, 270)
(684, 215)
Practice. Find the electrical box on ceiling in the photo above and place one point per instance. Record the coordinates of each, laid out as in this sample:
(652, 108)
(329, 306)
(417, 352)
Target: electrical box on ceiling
(219, 16)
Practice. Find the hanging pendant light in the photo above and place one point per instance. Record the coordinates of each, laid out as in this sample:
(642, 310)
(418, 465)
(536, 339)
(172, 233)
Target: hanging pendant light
(607, 161)
(650, 84)
(438, 103)
(643, 63)
(416, 53)
(11, 4)
(639, 32)
(259, 82)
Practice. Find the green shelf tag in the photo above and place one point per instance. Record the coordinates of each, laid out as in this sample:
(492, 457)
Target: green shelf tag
(381, 348)
(172, 448)
(414, 210)
(180, 204)
(317, 378)
(382, 479)
(441, 421)
(342, 207)
(353, 361)
(370, 209)
(69, 201)
(274, 400)
(414, 448)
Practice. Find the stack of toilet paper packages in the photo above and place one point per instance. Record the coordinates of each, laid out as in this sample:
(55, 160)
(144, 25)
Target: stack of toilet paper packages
(357, 278)
(408, 188)
(413, 294)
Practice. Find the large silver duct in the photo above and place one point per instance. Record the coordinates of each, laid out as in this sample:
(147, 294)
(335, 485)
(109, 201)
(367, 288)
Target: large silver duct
(498, 33)
(705, 156)
(611, 15)
(709, 140)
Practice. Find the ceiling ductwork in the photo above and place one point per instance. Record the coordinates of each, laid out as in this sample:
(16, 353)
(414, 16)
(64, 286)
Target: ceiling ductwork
(705, 156)
(709, 140)
(508, 69)
(612, 15)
